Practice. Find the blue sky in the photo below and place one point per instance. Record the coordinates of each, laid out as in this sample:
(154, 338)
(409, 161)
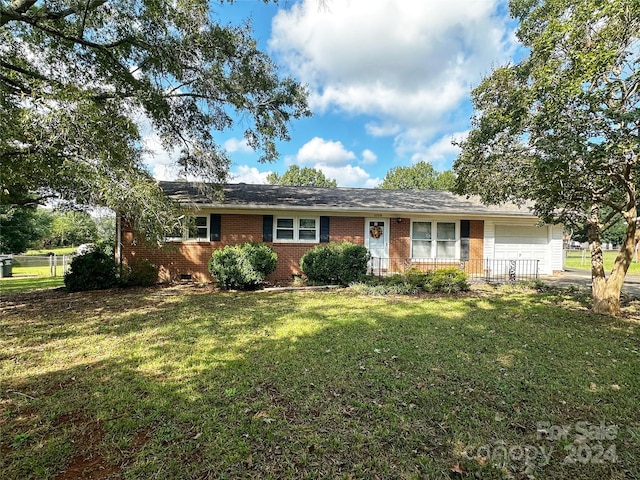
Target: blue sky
(390, 82)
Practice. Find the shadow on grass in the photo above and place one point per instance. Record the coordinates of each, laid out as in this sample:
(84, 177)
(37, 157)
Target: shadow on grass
(175, 384)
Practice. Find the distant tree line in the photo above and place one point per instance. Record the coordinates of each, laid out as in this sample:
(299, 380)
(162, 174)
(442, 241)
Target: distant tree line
(23, 228)
(420, 176)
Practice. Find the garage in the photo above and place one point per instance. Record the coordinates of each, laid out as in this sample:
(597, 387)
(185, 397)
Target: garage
(515, 242)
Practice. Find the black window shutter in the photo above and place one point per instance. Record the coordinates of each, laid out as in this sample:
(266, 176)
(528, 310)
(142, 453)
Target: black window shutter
(214, 227)
(267, 228)
(464, 228)
(464, 239)
(324, 229)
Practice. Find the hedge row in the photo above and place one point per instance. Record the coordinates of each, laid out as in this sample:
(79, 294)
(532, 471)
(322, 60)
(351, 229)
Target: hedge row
(245, 267)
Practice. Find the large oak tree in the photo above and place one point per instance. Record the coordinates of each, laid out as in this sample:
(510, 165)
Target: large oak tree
(561, 128)
(78, 78)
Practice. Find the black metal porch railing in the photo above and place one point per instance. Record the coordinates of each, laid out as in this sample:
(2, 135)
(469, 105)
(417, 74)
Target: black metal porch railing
(478, 270)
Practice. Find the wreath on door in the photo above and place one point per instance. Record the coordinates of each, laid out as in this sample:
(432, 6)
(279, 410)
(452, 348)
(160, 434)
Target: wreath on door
(375, 231)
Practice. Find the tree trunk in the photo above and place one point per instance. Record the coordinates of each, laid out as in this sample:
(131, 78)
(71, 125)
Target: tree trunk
(598, 279)
(606, 291)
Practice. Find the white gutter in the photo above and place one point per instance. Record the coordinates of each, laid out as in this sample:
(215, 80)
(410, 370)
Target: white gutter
(347, 211)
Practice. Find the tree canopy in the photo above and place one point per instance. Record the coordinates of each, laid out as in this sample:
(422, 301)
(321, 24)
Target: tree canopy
(420, 176)
(301, 177)
(560, 129)
(18, 228)
(72, 229)
(78, 80)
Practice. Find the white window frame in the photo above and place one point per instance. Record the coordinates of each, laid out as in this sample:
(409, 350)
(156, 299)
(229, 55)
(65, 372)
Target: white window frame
(206, 227)
(185, 231)
(434, 237)
(431, 240)
(296, 229)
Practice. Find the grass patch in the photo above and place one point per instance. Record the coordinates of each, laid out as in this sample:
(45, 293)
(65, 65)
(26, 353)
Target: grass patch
(573, 259)
(19, 271)
(190, 383)
(58, 251)
(15, 285)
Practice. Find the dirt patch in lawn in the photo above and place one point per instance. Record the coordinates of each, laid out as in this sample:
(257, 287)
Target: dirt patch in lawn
(88, 462)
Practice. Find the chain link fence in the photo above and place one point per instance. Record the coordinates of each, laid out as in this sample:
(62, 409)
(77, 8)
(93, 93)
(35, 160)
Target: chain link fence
(37, 265)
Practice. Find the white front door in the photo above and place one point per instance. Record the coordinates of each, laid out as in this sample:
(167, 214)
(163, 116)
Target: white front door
(376, 239)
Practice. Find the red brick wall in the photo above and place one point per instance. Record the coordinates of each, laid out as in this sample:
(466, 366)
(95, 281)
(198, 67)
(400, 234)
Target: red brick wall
(476, 239)
(191, 258)
(341, 229)
(476, 246)
(175, 259)
(235, 229)
(399, 238)
(399, 243)
(347, 229)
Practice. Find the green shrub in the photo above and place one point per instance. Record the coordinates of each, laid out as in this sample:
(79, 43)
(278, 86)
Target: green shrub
(242, 267)
(446, 280)
(341, 263)
(139, 272)
(94, 270)
(379, 289)
(416, 277)
(395, 279)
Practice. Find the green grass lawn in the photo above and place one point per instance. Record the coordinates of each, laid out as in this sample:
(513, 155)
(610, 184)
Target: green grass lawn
(58, 251)
(180, 382)
(574, 260)
(14, 285)
(19, 271)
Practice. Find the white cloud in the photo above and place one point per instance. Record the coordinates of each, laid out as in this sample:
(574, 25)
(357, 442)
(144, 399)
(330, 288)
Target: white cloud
(348, 175)
(325, 151)
(440, 153)
(335, 161)
(162, 163)
(237, 145)
(368, 157)
(406, 64)
(247, 174)
(376, 129)
(391, 56)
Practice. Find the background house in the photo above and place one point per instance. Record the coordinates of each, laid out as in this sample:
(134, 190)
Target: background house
(401, 229)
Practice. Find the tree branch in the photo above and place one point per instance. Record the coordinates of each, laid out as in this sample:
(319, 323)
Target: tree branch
(84, 19)
(22, 6)
(17, 13)
(23, 71)
(36, 23)
(14, 87)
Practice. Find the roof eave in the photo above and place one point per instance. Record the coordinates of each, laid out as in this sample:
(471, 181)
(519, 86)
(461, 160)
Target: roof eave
(255, 208)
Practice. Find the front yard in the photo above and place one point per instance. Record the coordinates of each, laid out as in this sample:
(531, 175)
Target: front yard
(184, 382)
(581, 260)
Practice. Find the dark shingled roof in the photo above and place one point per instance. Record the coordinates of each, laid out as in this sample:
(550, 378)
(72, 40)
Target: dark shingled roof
(360, 200)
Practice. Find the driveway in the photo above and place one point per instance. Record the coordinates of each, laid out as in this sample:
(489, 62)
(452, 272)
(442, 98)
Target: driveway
(582, 278)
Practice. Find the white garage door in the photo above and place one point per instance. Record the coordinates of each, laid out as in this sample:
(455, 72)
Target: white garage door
(523, 243)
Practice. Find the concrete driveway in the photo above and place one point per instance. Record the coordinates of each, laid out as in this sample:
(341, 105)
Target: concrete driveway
(582, 278)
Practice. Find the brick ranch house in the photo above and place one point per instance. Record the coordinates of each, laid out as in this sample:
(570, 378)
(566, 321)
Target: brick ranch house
(400, 228)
